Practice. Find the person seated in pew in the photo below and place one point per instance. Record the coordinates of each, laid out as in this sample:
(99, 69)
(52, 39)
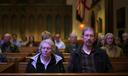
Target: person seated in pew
(47, 35)
(24, 41)
(7, 45)
(125, 43)
(89, 58)
(46, 61)
(101, 40)
(15, 40)
(3, 58)
(111, 48)
(58, 42)
(31, 41)
(73, 45)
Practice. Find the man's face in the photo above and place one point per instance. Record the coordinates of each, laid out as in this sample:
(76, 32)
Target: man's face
(125, 37)
(45, 36)
(7, 38)
(57, 38)
(46, 49)
(73, 39)
(88, 38)
(14, 37)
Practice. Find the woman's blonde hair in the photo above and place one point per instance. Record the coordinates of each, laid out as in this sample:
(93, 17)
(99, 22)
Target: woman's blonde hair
(49, 41)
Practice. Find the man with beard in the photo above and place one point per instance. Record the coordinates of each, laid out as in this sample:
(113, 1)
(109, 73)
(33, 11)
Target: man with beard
(89, 58)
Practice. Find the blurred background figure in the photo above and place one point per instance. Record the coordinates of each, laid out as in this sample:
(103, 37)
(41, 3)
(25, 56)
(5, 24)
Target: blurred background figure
(125, 43)
(118, 41)
(111, 48)
(58, 42)
(46, 35)
(3, 58)
(7, 45)
(15, 41)
(1, 40)
(73, 44)
(101, 40)
(24, 41)
(31, 41)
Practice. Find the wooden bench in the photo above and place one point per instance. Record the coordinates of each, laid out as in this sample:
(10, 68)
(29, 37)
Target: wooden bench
(64, 74)
(61, 50)
(120, 66)
(22, 67)
(66, 54)
(120, 59)
(117, 66)
(7, 67)
(12, 57)
(27, 49)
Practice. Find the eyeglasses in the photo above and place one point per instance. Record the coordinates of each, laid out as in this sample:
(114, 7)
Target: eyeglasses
(48, 48)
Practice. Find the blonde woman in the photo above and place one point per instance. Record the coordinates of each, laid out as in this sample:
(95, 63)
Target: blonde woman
(111, 48)
(46, 61)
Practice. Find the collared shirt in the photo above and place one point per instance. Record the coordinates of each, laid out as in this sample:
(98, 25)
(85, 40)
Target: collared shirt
(97, 61)
(44, 63)
(60, 45)
(71, 48)
(88, 62)
(17, 43)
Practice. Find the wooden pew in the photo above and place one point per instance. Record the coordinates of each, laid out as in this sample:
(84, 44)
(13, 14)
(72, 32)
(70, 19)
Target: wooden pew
(66, 54)
(119, 59)
(27, 49)
(22, 67)
(64, 74)
(61, 50)
(15, 54)
(24, 52)
(119, 64)
(12, 57)
(7, 67)
(121, 67)
(117, 67)
(17, 67)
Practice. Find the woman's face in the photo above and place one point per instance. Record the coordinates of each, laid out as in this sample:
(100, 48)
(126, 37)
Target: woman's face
(102, 41)
(109, 39)
(46, 49)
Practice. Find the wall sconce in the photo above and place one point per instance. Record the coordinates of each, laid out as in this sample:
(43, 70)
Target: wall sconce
(82, 26)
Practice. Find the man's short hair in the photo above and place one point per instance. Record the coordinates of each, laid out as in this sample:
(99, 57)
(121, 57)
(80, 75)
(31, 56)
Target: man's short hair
(88, 28)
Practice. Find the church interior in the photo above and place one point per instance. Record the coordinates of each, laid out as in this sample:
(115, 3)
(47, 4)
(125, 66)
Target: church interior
(33, 18)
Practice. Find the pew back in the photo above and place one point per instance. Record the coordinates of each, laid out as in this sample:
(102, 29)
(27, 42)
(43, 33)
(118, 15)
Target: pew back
(7, 67)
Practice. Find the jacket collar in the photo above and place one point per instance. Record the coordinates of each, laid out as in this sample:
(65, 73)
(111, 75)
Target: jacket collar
(34, 58)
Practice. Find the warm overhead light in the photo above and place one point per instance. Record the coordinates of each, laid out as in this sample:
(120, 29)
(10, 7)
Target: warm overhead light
(82, 26)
